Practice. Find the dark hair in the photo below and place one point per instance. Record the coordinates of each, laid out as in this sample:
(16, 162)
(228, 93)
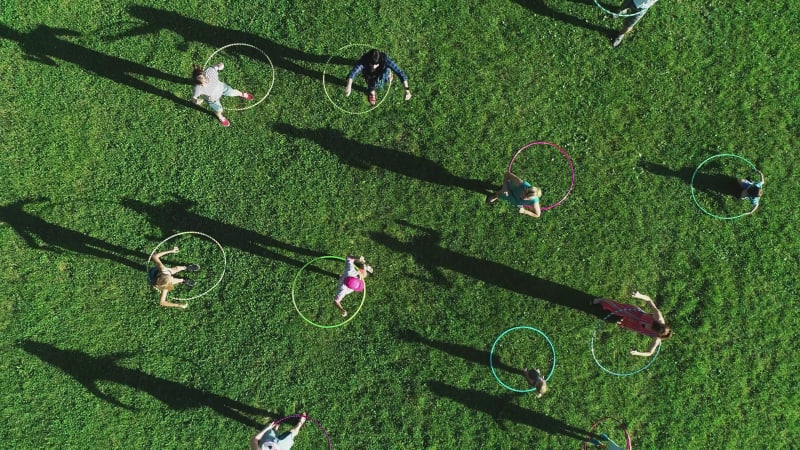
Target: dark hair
(196, 71)
(663, 330)
(374, 56)
(754, 191)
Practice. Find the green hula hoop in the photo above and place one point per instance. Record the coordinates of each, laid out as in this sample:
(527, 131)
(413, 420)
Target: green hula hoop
(318, 325)
(611, 372)
(694, 197)
(491, 357)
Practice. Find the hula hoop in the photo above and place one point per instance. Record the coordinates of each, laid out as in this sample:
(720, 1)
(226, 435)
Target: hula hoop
(611, 372)
(694, 197)
(597, 3)
(325, 87)
(272, 67)
(571, 168)
(224, 261)
(319, 426)
(621, 425)
(491, 357)
(294, 301)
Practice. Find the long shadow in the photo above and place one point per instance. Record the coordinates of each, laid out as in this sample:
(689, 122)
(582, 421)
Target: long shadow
(176, 215)
(363, 156)
(193, 30)
(30, 228)
(502, 408)
(433, 257)
(704, 182)
(461, 351)
(45, 44)
(89, 370)
(540, 7)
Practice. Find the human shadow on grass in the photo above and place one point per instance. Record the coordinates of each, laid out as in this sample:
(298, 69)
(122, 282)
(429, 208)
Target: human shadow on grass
(174, 216)
(363, 156)
(46, 44)
(193, 30)
(90, 370)
(429, 254)
(703, 182)
(502, 408)
(540, 7)
(461, 351)
(56, 238)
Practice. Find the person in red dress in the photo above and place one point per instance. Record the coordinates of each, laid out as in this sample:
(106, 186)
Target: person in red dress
(634, 318)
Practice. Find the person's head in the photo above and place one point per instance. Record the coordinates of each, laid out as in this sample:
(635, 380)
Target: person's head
(531, 193)
(374, 58)
(198, 76)
(663, 330)
(163, 282)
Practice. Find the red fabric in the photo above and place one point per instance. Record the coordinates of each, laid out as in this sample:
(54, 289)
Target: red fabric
(633, 318)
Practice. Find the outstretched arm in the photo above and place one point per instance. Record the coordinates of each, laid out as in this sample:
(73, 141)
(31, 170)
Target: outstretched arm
(164, 302)
(653, 346)
(402, 75)
(355, 71)
(656, 313)
(157, 257)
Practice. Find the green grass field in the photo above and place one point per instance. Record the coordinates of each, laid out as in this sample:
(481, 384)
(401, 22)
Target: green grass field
(104, 157)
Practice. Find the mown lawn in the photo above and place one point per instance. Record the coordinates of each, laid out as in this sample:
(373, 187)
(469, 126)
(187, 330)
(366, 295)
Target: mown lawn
(104, 157)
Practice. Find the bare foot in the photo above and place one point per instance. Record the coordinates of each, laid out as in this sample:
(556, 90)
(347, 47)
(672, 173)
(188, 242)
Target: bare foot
(338, 304)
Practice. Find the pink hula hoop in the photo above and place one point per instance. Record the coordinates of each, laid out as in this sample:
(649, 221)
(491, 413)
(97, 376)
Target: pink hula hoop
(571, 168)
(624, 428)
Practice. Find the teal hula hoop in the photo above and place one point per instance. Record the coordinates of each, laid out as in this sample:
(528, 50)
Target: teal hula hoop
(611, 372)
(491, 357)
(318, 325)
(691, 184)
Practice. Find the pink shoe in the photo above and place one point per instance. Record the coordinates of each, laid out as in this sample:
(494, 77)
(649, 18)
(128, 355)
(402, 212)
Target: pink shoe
(225, 122)
(247, 96)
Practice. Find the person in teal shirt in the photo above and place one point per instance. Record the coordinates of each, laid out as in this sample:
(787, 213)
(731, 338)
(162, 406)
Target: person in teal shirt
(518, 193)
(268, 438)
(751, 190)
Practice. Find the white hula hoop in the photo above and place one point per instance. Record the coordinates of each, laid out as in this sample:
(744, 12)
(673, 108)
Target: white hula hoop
(272, 67)
(224, 261)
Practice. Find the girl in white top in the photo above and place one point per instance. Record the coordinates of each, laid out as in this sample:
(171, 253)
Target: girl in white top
(207, 84)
